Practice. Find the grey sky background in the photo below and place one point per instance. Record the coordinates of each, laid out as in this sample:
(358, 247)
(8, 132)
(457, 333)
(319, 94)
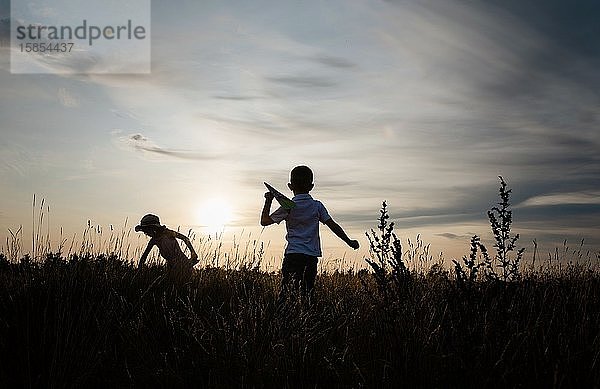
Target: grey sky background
(420, 103)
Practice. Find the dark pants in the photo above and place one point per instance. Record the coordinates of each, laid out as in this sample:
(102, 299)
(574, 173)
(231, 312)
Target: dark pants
(299, 272)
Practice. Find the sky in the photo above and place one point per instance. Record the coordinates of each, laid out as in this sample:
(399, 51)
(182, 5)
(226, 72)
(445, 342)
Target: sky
(419, 103)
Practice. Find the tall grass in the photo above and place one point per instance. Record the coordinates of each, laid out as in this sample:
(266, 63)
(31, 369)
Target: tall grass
(82, 317)
(99, 321)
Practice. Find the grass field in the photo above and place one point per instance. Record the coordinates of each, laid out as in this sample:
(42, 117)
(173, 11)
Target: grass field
(100, 322)
(95, 320)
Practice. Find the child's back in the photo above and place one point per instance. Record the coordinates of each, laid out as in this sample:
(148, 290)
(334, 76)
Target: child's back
(168, 246)
(302, 225)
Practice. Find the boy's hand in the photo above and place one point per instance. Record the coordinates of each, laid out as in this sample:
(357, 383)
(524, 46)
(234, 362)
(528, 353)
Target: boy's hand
(265, 219)
(194, 259)
(354, 244)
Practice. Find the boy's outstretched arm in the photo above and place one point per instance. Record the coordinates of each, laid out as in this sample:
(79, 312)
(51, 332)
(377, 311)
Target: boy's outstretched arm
(339, 231)
(265, 219)
(186, 240)
(145, 254)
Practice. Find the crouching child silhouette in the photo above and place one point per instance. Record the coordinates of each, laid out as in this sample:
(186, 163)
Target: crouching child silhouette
(168, 246)
(299, 268)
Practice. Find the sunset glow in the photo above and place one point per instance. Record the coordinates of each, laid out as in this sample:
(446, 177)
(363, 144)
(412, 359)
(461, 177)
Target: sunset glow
(214, 214)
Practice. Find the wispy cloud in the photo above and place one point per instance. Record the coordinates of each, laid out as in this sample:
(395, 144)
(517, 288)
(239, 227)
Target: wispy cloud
(452, 236)
(236, 97)
(124, 114)
(140, 143)
(304, 81)
(334, 62)
(592, 197)
(14, 159)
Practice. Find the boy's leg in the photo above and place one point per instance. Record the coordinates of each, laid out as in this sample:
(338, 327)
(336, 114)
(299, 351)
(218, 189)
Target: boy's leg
(310, 274)
(292, 272)
(285, 279)
(299, 272)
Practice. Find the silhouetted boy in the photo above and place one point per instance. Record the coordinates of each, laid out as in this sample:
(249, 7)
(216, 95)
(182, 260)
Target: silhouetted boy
(166, 241)
(302, 224)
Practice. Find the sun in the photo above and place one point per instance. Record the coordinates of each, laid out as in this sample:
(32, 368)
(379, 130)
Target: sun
(214, 214)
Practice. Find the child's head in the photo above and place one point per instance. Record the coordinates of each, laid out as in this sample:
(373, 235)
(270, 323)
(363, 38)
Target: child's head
(149, 225)
(301, 179)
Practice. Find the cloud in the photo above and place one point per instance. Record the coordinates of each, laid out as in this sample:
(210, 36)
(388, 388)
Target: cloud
(334, 62)
(304, 81)
(38, 11)
(124, 114)
(571, 198)
(450, 235)
(139, 142)
(236, 98)
(14, 159)
(573, 26)
(66, 98)
(5, 32)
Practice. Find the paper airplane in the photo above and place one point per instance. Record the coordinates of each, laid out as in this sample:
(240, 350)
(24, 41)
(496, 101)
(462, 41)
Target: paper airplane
(285, 202)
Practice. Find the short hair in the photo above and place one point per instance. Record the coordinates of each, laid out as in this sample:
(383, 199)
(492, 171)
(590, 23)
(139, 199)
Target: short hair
(301, 178)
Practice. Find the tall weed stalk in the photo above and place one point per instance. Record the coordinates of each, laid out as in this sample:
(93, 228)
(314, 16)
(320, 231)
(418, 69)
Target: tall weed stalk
(385, 248)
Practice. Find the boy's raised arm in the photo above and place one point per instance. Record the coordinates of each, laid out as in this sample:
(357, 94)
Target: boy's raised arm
(186, 240)
(339, 231)
(265, 218)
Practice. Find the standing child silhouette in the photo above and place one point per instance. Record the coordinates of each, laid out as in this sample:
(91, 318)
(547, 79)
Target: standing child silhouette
(166, 241)
(302, 224)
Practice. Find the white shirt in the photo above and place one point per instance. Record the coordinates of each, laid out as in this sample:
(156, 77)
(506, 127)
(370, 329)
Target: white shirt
(302, 224)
